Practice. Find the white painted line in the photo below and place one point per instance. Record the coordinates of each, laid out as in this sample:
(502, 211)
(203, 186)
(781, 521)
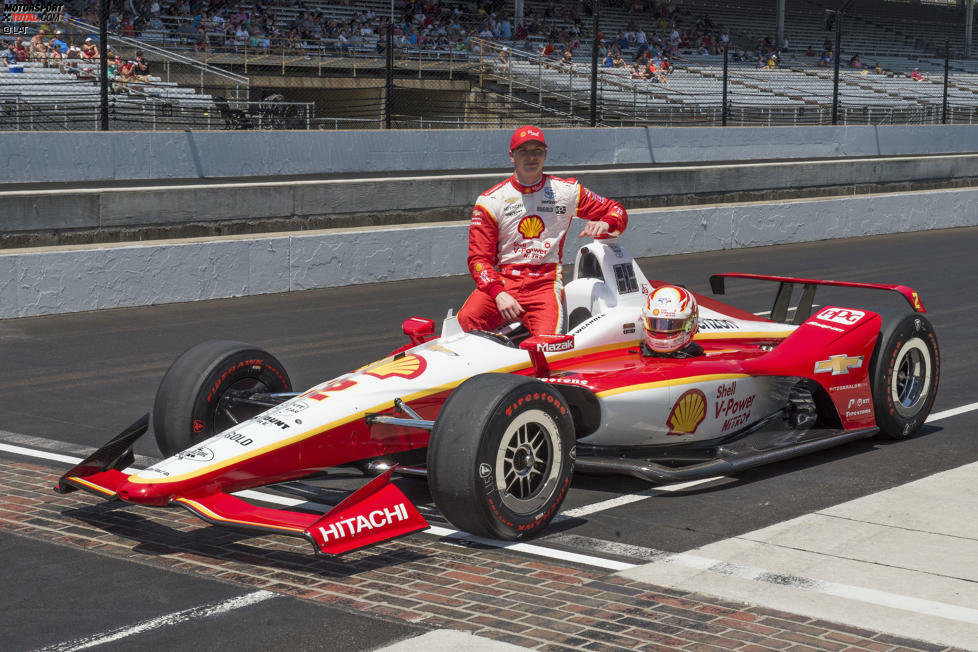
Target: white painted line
(194, 613)
(952, 412)
(628, 499)
(30, 452)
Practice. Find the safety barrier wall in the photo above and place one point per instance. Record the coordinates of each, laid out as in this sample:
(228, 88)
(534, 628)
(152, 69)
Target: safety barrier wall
(86, 156)
(89, 277)
(445, 196)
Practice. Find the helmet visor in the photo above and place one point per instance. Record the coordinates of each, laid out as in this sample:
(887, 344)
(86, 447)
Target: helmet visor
(664, 326)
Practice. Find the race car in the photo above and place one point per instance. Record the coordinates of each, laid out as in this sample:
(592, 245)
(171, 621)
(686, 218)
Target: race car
(498, 422)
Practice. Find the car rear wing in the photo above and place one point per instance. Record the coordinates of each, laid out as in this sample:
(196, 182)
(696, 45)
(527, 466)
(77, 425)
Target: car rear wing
(779, 312)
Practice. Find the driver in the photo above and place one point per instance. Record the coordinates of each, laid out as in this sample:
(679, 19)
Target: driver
(670, 319)
(516, 238)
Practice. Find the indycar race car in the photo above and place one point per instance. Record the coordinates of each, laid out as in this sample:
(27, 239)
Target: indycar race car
(499, 421)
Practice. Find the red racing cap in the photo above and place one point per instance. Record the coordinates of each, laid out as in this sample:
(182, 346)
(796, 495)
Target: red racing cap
(525, 134)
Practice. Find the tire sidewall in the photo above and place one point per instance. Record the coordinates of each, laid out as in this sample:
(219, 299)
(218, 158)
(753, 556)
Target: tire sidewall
(186, 402)
(891, 422)
(516, 403)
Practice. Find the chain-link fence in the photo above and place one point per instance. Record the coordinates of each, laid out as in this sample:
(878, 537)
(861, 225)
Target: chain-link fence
(175, 79)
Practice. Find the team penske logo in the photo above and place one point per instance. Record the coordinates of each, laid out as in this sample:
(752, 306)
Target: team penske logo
(838, 364)
(530, 227)
(688, 413)
(410, 366)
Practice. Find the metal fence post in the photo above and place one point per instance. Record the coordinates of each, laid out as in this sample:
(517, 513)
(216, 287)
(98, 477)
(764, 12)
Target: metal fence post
(947, 62)
(835, 77)
(723, 110)
(594, 67)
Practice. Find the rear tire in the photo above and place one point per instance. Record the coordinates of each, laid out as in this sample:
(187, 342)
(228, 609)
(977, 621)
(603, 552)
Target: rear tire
(190, 403)
(501, 456)
(906, 370)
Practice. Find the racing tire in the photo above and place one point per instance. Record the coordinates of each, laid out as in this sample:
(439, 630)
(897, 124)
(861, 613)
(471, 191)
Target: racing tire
(191, 402)
(906, 370)
(501, 456)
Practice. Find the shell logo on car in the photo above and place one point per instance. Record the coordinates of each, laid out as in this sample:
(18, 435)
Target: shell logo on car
(531, 227)
(688, 413)
(410, 366)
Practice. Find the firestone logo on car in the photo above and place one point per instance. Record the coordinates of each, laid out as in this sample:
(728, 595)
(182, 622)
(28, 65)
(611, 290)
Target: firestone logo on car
(353, 526)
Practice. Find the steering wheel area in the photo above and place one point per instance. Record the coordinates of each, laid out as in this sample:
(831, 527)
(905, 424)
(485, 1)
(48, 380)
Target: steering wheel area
(509, 335)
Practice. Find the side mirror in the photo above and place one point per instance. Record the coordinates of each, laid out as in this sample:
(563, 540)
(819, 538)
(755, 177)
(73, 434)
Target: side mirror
(417, 329)
(539, 345)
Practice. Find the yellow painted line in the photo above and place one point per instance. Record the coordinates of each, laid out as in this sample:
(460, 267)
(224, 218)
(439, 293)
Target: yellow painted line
(91, 485)
(217, 517)
(688, 380)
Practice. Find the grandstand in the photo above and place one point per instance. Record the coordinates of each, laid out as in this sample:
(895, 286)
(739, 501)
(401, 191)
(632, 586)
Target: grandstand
(295, 51)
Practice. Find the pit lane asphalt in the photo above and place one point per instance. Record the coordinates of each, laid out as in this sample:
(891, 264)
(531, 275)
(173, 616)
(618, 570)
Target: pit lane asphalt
(81, 378)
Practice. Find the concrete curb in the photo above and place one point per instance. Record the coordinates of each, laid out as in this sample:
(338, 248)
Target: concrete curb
(58, 280)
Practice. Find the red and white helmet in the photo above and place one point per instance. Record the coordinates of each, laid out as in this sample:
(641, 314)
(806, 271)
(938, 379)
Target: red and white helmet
(670, 318)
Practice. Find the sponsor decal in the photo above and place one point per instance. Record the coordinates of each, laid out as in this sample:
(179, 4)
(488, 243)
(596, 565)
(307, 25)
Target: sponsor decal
(735, 412)
(353, 526)
(916, 301)
(627, 329)
(410, 366)
(717, 324)
(442, 349)
(826, 326)
(555, 347)
(200, 454)
(513, 209)
(535, 396)
(548, 192)
(617, 251)
(485, 471)
(154, 469)
(530, 251)
(510, 200)
(839, 388)
(917, 325)
(857, 413)
(268, 420)
(560, 210)
(589, 322)
(567, 381)
(688, 413)
(531, 227)
(843, 316)
(857, 402)
(593, 196)
(478, 267)
(239, 438)
(838, 364)
(323, 393)
(198, 426)
(573, 453)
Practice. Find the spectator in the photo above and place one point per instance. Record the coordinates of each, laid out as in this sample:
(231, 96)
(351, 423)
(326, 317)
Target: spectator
(10, 56)
(89, 50)
(917, 76)
(825, 59)
(854, 62)
(637, 71)
(619, 62)
(784, 44)
(567, 59)
(21, 49)
(879, 69)
(809, 52)
(503, 57)
(666, 66)
(58, 43)
(609, 61)
(141, 70)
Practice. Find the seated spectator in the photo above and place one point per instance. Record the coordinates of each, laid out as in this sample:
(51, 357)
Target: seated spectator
(637, 71)
(854, 62)
(609, 61)
(618, 61)
(666, 66)
(503, 57)
(825, 59)
(567, 59)
(21, 49)
(89, 50)
(54, 51)
(127, 71)
(879, 69)
(809, 52)
(10, 56)
(917, 76)
(141, 67)
(772, 60)
(548, 49)
(59, 43)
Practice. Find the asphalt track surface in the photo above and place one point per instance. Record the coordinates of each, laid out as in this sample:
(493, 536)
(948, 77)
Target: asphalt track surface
(78, 379)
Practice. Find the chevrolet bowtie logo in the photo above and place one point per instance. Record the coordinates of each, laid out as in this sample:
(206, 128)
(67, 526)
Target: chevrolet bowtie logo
(838, 364)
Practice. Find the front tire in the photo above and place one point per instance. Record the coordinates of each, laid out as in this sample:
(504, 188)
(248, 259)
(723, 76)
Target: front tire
(906, 369)
(501, 456)
(192, 401)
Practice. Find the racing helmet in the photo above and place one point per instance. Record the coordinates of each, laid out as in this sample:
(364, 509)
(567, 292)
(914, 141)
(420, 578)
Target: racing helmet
(669, 318)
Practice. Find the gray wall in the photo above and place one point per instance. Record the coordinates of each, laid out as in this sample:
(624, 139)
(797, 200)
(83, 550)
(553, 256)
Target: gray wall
(85, 156)
(39, 282)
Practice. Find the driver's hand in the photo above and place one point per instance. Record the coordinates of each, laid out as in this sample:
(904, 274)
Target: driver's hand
(595, 229)
(508, 307)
